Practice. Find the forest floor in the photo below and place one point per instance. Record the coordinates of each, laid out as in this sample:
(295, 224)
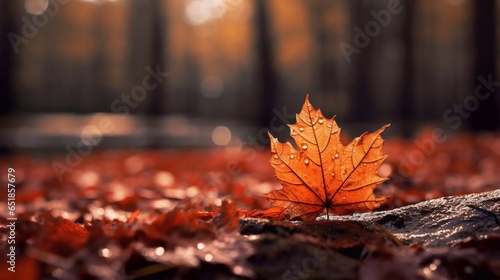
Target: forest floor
(195, 214)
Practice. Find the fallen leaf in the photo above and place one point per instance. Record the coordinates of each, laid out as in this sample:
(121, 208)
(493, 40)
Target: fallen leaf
(275, 213)
(61, 236)
(322, 174)
(228, 217)
(178, 227)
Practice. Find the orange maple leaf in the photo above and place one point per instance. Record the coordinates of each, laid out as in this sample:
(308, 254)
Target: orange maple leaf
(323, 174)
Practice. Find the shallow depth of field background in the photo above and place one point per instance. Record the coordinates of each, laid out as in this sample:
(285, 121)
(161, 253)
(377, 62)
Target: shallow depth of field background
(235, 65)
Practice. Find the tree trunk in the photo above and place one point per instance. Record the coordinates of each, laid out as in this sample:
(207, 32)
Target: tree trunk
(7, 25)
(157, 56)
(486, 117)
(362, 99)
(406, 112)
(266, 79)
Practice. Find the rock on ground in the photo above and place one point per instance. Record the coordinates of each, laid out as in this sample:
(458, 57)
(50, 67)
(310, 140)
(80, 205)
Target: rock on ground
(438, 222)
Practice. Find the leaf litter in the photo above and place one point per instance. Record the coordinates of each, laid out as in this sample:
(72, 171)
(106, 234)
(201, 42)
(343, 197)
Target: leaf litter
(182, 214)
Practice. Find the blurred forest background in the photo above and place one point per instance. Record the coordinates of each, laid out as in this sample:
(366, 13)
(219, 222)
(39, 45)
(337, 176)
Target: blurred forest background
(231, 62)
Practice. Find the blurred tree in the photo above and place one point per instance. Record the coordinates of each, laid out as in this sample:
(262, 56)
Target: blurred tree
(158, 45)
(94, 91)
(486, 117)
(406, 112)
(325, 66)
(141, 38)
(266, 79)
(362, 100)
(7, 25)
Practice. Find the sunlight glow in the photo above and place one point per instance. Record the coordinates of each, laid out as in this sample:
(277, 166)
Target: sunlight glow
(159, 251)
(164, 179)
(99, 1)
(36, 7)
(209, 257)
(105, 253)
(198, 12)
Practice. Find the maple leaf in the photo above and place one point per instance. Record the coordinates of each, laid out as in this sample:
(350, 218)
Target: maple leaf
(323, 174)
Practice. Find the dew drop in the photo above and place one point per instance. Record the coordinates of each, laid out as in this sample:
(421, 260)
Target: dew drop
(306, 161)
(293, 132)
(276, 156)
(321, 121)
(336, 155)
(343, 197)
(333, 174)
(364, 164)
(292, 156)
(375, 164)
(330, 125)
(301, 129)
(304, 147)
(314, 127)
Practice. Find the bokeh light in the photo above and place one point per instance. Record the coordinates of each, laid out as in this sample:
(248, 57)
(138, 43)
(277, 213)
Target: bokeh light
(221, 135)
(36, 7)
(212, 86)
(198, 12)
